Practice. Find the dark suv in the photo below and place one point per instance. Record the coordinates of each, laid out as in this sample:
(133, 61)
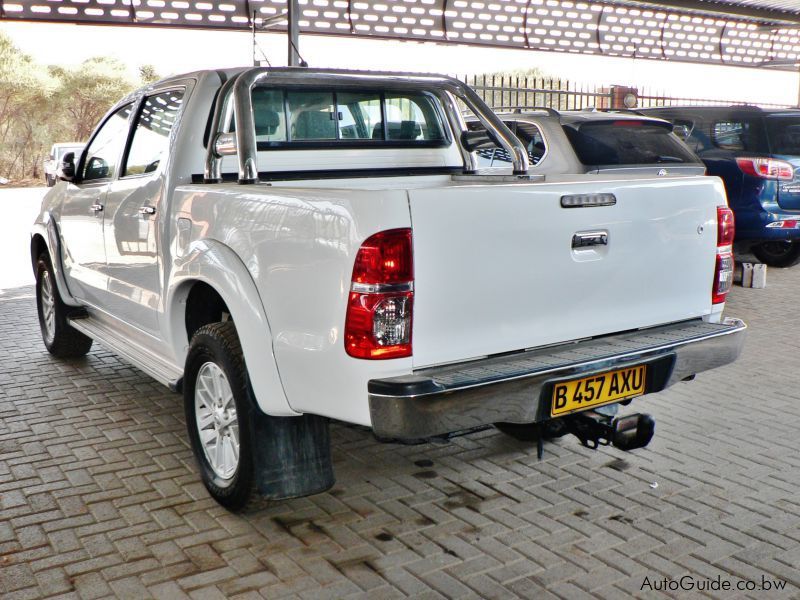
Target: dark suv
(756, 152)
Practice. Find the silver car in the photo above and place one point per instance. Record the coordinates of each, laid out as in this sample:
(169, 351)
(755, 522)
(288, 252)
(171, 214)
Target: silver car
(57, 152)
(591, 141)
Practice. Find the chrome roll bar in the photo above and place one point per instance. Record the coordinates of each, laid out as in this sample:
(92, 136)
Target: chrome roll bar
(237, 93)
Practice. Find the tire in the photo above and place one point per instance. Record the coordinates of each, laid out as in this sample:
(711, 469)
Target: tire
(218, 401)
(50, 181)
(59, 338)
(778, 254)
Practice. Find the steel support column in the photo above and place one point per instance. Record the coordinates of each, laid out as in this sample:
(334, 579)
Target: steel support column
(293, 30)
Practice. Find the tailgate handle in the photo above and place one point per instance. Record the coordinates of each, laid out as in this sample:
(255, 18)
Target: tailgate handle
(590, 238)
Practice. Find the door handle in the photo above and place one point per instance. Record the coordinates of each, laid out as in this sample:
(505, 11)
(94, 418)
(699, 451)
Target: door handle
(589, 239)
(96, 208)
(147, 210)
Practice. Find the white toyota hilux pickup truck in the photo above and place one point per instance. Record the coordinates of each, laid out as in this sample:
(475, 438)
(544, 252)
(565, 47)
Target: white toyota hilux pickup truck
(289, 246)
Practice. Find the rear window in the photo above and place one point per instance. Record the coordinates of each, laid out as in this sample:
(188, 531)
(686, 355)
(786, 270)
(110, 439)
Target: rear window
(627, 142)
(324, 118)
(784, 135)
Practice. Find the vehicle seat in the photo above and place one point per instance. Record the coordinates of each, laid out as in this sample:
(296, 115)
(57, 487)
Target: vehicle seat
(404, 130)
(314, 125)
(267, 121)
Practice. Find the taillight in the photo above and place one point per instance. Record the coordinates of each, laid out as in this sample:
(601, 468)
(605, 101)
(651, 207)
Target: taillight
(723, 271)
(766, 168)
(723, 277)
(725, 226)
(380, 307)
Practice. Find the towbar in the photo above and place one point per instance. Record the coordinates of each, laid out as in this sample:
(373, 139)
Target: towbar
(237, 93)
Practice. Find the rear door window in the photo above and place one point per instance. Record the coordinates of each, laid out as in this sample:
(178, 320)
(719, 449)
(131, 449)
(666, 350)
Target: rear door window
(627, 142)
(532, 137)
(151, 134)
(528, 133)
(739, 135)
(784, 135)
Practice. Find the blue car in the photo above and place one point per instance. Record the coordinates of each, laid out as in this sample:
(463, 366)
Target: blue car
(756, 152)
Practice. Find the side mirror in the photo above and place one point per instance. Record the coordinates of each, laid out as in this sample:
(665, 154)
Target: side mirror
(66, 170)
(478, 140)
(96, 168)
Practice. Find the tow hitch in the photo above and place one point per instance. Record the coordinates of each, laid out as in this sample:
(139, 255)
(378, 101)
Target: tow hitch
(626, 433)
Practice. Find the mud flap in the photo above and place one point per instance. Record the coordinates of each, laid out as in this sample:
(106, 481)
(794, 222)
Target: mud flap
(292, 455)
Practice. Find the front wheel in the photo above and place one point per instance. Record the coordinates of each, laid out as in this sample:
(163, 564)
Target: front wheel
(59, 337)
(218, 403)
(778, 254)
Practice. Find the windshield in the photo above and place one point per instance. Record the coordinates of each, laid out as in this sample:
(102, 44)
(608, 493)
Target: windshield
(784, 135)
(627, 142)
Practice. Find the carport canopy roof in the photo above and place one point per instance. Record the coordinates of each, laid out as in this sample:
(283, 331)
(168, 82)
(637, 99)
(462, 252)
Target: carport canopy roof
(734, 32)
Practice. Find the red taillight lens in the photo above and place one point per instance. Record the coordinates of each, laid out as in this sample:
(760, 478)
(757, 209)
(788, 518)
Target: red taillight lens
(725, 226)
(385, 258)
(766, 168)
(723, 271)
(723, 277)
(380, 307)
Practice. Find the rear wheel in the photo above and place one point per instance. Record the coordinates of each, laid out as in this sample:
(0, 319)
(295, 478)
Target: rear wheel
(778, 254)
(59, 338)
(218, 403)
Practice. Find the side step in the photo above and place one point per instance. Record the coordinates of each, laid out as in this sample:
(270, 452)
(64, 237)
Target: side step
(155, 366)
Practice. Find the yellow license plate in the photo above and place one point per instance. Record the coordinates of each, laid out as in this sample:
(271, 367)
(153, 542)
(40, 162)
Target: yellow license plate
(580, 394)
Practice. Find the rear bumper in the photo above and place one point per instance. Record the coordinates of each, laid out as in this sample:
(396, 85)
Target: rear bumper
(517, 388)
(751, 225)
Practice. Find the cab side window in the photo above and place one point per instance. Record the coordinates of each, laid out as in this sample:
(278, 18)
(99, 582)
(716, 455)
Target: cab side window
(151, 135)
(104, 152)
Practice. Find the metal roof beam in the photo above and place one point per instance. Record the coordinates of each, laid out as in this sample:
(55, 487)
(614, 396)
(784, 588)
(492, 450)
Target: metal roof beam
(762, 13)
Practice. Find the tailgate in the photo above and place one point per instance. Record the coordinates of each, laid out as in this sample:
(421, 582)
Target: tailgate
(789, 191)
(496, 271)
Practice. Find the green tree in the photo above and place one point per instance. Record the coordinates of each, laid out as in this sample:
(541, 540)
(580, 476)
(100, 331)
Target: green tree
(148, 74)
(24, 89)
(86, 92)
(41, 105)
(516, 88)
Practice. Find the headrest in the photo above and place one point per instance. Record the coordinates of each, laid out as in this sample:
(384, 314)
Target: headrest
(267, 121)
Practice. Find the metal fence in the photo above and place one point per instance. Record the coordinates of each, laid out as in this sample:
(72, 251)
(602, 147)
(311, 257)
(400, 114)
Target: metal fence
(550, 92)
(561, 94)
(651, 99)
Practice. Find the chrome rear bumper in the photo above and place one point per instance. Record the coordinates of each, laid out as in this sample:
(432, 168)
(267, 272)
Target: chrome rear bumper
(515, 388)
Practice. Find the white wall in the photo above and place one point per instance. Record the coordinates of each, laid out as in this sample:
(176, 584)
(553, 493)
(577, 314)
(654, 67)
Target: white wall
(18, 209)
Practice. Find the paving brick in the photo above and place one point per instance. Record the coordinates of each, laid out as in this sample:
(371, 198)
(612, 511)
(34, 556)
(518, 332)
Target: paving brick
(100, 497)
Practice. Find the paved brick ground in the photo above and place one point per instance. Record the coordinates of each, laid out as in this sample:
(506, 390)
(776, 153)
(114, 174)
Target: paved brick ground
(100, 497)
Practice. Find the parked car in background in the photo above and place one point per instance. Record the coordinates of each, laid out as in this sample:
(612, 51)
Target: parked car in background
(592, 141)
(57, 152)
(756, 152)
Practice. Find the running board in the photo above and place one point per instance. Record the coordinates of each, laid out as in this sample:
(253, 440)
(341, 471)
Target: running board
(157, 368)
